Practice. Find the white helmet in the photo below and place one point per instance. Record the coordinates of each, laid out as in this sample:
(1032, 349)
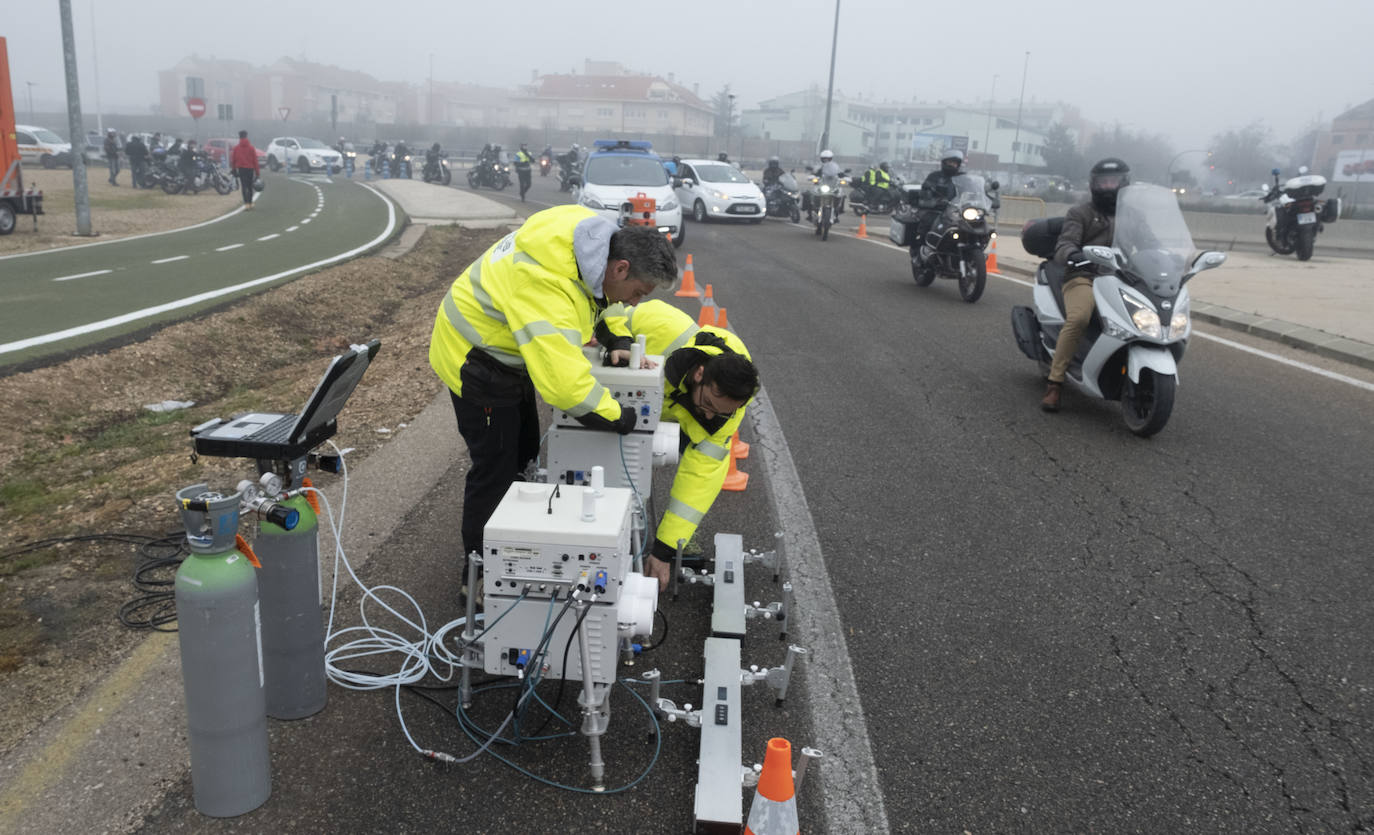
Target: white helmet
(827, 155)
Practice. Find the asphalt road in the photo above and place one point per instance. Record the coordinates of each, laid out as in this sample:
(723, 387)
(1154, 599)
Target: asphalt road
(60, 300)
(1055, 625)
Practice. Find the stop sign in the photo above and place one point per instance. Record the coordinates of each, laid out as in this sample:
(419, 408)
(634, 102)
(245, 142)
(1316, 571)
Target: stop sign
(196, 107)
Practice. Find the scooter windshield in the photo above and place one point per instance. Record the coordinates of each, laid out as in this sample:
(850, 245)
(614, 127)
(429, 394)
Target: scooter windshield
(1152, 235)
(972, 190)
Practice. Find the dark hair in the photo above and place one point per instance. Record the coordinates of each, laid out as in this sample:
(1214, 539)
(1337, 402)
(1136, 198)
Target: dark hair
(243, 134)
(733, 374)
(650, 254)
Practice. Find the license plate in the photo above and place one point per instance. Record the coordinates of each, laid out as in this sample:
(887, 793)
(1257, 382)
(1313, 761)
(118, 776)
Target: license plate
(1306, 217)
(749, 210)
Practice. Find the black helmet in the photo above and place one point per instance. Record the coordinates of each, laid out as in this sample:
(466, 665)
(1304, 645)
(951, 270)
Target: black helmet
(721, 156)
(434, 147)
(774, 161)
(883, 165)
(1108, 177)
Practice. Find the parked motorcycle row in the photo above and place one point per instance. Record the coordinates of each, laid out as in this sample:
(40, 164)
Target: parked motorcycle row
(164, 172)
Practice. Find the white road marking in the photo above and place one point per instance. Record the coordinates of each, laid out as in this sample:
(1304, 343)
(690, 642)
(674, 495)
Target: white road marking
(170, 260)
(227, 248)
(292, 228)
(270, 237)
(305, 221)
(120, 240)
(149, 312)
(82, 275)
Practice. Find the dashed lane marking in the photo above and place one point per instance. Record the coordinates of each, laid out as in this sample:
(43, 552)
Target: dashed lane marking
(170, 260)
(82, 275)
(227, 248)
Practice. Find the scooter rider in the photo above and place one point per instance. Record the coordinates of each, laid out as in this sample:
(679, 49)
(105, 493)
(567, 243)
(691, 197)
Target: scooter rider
(773, 172)
(1090, 223)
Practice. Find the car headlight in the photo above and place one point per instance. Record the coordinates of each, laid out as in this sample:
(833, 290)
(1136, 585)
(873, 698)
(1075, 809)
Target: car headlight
(668, 206)
(971, 214)
(1144, 317)
(591, 202)
(720, 195)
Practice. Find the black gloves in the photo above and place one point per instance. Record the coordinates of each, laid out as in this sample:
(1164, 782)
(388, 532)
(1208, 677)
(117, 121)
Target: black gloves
(628, 419)
(1078, 262)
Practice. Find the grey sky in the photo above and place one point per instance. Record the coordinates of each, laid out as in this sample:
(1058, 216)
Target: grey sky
(1183, 68)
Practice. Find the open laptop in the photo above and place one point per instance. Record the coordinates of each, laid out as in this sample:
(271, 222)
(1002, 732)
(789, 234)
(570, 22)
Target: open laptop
(270, 435)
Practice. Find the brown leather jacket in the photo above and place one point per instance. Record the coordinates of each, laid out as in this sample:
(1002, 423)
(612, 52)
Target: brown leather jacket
(1084, 225)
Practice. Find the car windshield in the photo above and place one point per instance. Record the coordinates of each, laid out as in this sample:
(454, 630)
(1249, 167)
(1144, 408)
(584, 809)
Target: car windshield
(717, 172)
(312, 143)
(45, 135)
(625, 170)
(973, 191)
(1152, 234)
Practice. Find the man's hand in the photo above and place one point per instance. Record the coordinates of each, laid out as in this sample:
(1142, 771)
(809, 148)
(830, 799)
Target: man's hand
(620, 357)
(659, 570)
(626, 424)
(1078, 261)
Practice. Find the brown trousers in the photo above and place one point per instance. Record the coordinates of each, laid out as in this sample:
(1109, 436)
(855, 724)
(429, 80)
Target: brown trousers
(1078, 311)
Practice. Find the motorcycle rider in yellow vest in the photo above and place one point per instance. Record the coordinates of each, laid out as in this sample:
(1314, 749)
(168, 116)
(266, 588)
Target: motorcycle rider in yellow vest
(708, 379)
(515, 321)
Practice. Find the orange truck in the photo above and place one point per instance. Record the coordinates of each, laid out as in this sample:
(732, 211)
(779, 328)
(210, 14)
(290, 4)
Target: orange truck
(15, 200)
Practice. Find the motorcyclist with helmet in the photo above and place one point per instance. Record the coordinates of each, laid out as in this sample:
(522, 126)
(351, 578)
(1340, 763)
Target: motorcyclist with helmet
(877, 182)
(772, 172)
(937, 190)
(827, 168)
(1090, 223)
(432, 157)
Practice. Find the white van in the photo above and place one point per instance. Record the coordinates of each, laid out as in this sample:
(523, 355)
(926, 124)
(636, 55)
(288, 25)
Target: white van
(42, 146)
(619, 170)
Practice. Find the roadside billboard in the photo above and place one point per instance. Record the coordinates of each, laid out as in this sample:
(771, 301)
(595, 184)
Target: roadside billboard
(1354, 167)
(929, 147)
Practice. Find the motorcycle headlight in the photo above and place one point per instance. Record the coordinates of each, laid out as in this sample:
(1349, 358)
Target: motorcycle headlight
(825, 189)
(1144, 317)
(971, 214)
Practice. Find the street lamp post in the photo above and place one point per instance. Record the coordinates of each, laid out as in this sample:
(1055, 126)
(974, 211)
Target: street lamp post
(729, 117)
(987, 131)
(33, 120)
(1016, 142)
(830, 91)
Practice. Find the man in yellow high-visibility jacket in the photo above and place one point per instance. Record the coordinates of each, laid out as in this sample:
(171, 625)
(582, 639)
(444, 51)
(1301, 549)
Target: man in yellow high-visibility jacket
(709, 379)
(515, 321)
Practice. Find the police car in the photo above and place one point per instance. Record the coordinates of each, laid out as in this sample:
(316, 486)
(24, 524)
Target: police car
(618, 170)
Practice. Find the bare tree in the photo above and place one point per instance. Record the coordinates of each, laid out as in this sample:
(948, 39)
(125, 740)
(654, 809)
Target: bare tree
(1245, 155)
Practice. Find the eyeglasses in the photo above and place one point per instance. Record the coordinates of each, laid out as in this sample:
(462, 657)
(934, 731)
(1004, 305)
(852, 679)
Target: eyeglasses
(709, 407)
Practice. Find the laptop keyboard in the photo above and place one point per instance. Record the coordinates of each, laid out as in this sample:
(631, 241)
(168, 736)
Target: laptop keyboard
(275, 432)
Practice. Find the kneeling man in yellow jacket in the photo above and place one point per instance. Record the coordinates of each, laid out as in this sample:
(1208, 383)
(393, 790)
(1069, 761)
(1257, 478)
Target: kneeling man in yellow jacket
(708, 379)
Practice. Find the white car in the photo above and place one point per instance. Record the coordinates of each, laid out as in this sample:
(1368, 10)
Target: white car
(619, 170)
(712, 189)
(303, 154)
(42, 146)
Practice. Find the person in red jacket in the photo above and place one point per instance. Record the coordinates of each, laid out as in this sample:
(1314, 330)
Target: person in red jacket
(244, 160)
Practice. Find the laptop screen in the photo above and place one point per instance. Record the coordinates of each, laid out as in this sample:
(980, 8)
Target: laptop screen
(333, 390)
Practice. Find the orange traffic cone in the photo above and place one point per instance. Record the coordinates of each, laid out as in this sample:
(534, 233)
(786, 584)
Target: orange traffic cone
(774, 810)
(735, 479)
(738, 448)
(689, 280)
(992, 257)
(722, 320)
(707, 316)
(709, 299)
(863, 227)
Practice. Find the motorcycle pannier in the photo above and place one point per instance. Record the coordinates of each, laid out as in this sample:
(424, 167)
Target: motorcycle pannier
(1331, 210)
(1039, 236)
(902, 233)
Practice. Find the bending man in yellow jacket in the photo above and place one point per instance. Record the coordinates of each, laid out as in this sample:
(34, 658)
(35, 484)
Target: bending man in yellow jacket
(516, 320)
(708, 380)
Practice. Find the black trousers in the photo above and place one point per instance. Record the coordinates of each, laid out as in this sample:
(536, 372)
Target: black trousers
(501, 441)
(246, 178)
(525, 175)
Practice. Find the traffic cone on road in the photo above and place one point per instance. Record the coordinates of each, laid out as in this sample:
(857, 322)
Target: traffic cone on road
(774, 810)
(707, 316)
(735, 478)
(738, 448)
(992, 257)
(689, 280)
(709, 299)
(863, 227)
(722, 321)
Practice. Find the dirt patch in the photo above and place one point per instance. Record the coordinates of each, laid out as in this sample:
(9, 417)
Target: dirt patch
(81, 456)
(116, 211)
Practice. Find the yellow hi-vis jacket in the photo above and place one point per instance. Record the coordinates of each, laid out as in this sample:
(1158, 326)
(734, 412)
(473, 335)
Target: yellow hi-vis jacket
(524, 305)
(706, 458)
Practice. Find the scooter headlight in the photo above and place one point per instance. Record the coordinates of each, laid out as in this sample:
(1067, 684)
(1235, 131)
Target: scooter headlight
(1144, 317)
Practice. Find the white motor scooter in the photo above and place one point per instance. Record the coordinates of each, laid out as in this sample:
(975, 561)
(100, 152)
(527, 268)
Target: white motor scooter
(1132, 346)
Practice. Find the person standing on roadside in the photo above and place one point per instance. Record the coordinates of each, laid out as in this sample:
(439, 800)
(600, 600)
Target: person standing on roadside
(112, 155)
(244, 160)
(523, 163)
(137, 153)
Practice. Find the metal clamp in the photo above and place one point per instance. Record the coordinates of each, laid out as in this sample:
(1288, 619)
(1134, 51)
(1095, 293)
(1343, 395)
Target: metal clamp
(669, 710)
(778, 678)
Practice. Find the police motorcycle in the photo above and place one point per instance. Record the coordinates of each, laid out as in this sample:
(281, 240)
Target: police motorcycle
(436, 168)
(954, 247)
(1295, 215)
(491, 173)
(824, 201)
(781, 198)
(1131, 348)
(873, 200)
